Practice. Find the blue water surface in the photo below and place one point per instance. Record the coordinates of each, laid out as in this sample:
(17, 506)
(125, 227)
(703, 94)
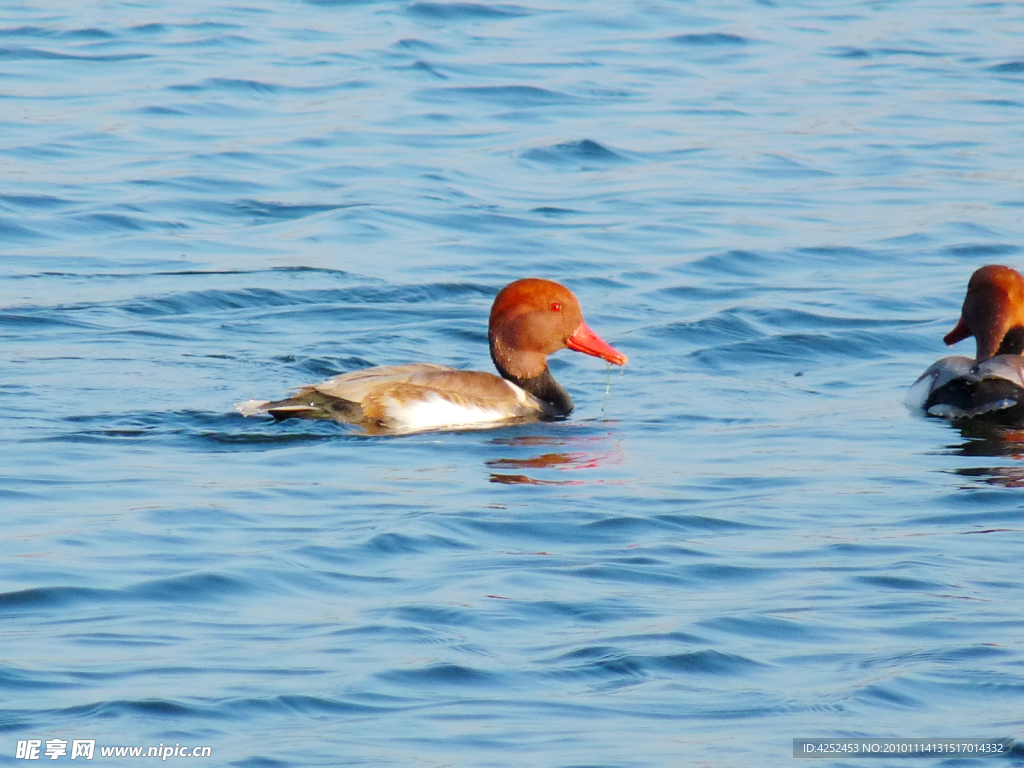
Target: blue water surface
(741, 539)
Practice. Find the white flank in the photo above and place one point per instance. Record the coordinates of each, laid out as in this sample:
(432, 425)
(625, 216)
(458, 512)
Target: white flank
(917, 396)
(434, 412)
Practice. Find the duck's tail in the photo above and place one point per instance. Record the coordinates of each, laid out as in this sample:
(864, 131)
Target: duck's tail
(252, 407)
(306, 404)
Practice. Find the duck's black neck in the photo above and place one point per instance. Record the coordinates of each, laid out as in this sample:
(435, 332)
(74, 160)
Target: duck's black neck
(1013, 342)
(545, 388)
(542, 386)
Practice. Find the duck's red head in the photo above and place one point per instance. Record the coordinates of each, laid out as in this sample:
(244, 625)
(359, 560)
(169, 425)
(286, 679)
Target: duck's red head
(532, 318)
(993, 313)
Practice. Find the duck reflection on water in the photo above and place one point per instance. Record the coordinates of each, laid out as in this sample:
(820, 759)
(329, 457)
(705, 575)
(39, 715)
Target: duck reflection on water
(562, 461)
(986, 439)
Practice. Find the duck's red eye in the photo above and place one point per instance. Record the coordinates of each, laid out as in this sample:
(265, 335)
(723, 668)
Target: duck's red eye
(556, 307)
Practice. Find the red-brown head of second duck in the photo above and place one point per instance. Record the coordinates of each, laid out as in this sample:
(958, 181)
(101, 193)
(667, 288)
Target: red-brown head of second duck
(992, 384)
(530, 319)
(993, 313)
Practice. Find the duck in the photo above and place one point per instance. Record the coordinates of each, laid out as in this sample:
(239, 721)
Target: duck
(991, 385)
(530, 319)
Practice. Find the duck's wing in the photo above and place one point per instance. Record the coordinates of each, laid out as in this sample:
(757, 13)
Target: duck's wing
(1007, 367)
(357, 385)
(339, 397)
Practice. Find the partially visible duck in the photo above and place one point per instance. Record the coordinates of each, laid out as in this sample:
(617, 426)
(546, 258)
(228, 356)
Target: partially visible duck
(992, 384)
(530, 319)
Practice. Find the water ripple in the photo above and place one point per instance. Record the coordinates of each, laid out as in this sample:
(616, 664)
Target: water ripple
(466, 11)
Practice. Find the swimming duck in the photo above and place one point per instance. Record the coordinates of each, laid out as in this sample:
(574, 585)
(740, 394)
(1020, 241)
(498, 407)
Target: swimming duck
(530, 319)
(992, 384)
